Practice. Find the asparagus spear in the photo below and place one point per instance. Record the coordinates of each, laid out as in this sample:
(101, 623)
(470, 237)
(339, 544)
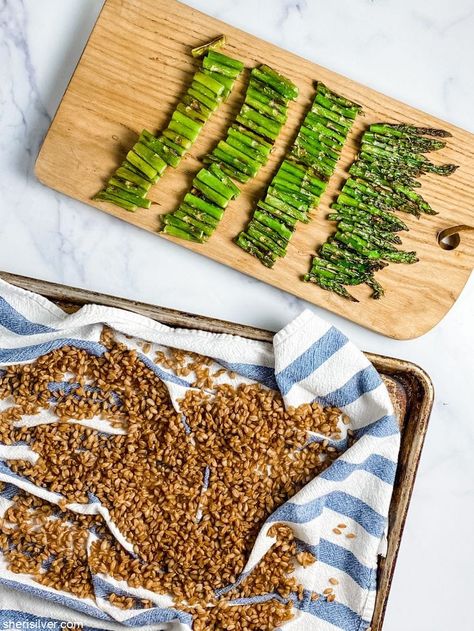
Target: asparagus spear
(362, 246)
(227, 82)
(212, 61)
(209, 179)
(415, 143)
(377, 289)
(251, 139)
(290, 184)
(246, 150)
(277, 226)
(131, 176)
(337, 98)
(345, 200)
(385, 237)
(228, 169)
(225, 179)
(177, 137)
(171, 220)
(300, 197)
(274, 235)
(210, 193)
(351, 275)
(233, 161)
(203, 205)
(365, 172)
(196, 223)
(330, 285)
(254, 230)
(173, 231)
(222, 59)
(257, 95)
(199, 215)
(127, 185)
(240, 155)
(200, 51)
(277, 81)
(397, 196)
(384, 202)
(341, 110)
(288, 220)
(290, 198)
(417, 131)
(145, 168)
(271, 112)
(266, 89)
(192, 108)
(372, 238)
(178, 149)
(246, 244)
(128, 196)
(115, 199)
(417, 161)
(335, 249)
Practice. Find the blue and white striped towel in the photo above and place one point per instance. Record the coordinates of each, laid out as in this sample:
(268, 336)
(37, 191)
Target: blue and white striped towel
(309, 359)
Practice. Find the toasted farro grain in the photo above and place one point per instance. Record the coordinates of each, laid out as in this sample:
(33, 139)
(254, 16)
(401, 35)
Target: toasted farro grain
(189, 540)
(305, 558)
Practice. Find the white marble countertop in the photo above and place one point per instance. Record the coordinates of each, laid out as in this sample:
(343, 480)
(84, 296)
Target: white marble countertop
(419, 51)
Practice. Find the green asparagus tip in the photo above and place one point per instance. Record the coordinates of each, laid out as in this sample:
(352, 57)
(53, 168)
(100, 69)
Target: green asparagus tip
(200, 51)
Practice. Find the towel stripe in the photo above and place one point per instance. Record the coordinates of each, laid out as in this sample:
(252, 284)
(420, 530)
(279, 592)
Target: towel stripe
(377, 465)
(385, 426)
(310, 360)
(15, 322)
(361, 383)
(342, 559)
(57, 597)
(102, 589)
(28, 353)
(339, 502)
(262, 374)
(335, 613)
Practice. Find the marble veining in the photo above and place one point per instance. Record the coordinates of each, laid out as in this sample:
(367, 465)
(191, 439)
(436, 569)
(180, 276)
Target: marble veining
(419, 52)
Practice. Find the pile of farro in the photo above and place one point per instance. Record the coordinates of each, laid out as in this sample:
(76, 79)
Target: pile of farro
(190, 491)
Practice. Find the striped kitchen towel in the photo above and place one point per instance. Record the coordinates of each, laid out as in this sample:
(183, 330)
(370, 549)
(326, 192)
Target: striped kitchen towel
(308, 360)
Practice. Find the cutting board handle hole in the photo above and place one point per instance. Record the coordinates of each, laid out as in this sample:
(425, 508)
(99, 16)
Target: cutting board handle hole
(449, 238)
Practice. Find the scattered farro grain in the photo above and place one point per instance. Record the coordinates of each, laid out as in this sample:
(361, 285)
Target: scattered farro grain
(337, 531)
(331, 598)
(351, 535)
(328, 590)
(305, 558)
(342, 525)
(334, 581)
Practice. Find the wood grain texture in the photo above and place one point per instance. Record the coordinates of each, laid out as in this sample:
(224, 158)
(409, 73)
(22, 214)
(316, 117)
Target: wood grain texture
(134, 69)
(409, 386)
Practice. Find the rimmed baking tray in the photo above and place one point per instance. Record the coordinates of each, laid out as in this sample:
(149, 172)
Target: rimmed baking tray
(409, 385)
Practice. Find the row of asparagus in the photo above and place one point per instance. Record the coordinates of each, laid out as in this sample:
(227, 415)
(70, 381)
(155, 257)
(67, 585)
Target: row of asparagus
(301, 178)
(238, 158)
(382, 180)
(146, 162)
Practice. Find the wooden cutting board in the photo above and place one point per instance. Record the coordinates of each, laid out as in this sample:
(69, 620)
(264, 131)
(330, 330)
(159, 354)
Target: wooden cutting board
(131, 75)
